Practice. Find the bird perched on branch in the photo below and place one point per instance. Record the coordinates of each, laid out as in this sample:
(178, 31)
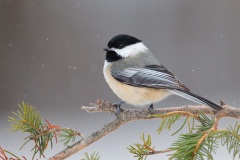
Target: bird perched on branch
(135, 75)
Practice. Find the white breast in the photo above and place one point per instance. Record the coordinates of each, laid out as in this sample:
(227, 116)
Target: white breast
(137, 96)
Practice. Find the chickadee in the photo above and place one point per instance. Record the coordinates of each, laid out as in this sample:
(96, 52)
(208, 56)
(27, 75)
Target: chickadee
(135, 76)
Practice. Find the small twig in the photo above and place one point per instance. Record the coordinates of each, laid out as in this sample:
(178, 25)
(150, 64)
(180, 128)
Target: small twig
(76, 132)
(56, 130)
(183, 113)
(158, 152)
(149, 148)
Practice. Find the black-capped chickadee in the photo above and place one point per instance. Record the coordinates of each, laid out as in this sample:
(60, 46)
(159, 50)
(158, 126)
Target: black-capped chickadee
(135, 76)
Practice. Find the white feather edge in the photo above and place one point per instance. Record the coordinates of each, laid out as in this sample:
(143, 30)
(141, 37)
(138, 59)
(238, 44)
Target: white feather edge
(162, 76)
(187, 96)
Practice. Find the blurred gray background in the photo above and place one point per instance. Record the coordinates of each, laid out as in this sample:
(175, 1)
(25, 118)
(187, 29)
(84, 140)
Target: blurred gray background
(51, 57)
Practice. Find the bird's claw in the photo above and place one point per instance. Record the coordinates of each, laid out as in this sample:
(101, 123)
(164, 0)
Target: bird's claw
(150, 109)
(118, 108)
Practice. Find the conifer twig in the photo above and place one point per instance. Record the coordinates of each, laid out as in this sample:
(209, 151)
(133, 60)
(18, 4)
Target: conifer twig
(214, 127)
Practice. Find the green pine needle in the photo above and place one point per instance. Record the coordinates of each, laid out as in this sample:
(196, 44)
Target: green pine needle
(169, 120)
(93, 156)
(68, 135)
(26, 120)
(230, 138)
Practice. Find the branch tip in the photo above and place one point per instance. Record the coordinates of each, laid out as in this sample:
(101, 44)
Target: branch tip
(222, 103)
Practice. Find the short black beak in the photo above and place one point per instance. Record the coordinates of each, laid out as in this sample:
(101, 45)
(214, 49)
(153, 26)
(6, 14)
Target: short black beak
(106, 49)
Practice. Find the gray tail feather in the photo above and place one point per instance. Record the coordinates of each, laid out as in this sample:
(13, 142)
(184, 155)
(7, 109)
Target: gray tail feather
(197, 99)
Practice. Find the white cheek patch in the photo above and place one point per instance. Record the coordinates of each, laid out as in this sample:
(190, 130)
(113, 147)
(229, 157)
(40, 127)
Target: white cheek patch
(131, 50)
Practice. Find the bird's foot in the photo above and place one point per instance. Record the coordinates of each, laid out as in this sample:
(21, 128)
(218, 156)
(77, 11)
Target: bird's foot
(150, 109)
(118, 107)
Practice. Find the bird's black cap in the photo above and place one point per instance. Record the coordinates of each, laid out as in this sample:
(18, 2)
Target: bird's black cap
(122, 40)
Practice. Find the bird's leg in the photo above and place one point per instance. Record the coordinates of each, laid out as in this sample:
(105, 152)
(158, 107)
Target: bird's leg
(150, 108)
(118, 107)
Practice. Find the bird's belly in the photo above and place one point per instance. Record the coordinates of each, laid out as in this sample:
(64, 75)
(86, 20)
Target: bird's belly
(139, 96)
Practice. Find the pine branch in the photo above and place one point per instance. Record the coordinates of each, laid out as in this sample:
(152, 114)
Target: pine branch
(191, 143)
(203, 142)
(42, 132)
(230, 138)
(187, 144)
(129, 115)
(141, 151)
(28, 120)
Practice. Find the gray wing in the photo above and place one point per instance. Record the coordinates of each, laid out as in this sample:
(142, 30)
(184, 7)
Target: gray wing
(157, 76)
(152, 76)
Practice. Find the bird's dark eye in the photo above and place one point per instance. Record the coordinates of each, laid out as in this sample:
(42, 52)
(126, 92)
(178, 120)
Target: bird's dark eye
(120, 46)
